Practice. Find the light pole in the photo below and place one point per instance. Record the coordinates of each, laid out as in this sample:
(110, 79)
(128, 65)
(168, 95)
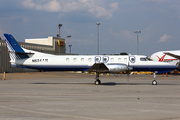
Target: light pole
(137, 40)
(98, 37)
(60, 25)
(69, 44)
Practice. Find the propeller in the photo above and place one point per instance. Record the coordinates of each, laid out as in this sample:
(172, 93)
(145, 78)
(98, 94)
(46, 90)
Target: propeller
(128, 71)
(178, 65)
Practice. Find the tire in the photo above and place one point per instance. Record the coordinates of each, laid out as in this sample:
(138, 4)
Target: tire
(97, 82)
(154, 82)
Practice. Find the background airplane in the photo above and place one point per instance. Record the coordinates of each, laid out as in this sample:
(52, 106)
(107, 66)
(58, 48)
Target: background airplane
(21, 57)
(171, 57)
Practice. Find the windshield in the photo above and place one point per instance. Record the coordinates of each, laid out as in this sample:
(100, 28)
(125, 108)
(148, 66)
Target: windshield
(148, 59)
(145, 59)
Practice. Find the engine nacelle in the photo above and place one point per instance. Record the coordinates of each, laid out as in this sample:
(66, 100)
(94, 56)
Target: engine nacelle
(115, 68)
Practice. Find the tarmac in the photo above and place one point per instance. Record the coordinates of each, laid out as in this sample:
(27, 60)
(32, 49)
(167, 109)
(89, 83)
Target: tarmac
(72, 96)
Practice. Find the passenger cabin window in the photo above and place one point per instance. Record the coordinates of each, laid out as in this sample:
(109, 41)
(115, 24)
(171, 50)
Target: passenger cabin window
(105, 59)
(119, 59)
(125, 59)
(132, 59)
(112, 59)
(82, 59)
(97, 59)
(67, 59)
(75, 59)
(89, 59)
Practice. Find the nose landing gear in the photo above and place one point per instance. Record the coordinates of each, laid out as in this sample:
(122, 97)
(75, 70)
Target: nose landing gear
(154, 82)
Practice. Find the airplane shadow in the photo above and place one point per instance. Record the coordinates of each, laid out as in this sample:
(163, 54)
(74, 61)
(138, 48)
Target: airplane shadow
(62, 83)
(105, 84)
(114, 84)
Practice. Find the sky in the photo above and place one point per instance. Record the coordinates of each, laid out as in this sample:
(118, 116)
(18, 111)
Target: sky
(158, 21)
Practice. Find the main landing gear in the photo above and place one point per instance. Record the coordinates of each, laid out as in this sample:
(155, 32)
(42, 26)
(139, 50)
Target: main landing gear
(154, 82)
(97, 82)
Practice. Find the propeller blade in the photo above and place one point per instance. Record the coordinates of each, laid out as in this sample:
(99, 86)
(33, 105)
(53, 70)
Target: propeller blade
(128, 72)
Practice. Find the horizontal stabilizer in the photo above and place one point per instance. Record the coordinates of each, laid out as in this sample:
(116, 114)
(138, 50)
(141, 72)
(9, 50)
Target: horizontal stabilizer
(20, 55)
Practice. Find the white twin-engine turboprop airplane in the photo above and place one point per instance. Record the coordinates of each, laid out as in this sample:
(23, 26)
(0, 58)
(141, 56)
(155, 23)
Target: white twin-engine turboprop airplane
(21, 57)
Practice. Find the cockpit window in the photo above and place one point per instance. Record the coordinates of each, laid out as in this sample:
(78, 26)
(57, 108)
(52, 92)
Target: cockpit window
(142, 59)
(149, 59)
(145, 59)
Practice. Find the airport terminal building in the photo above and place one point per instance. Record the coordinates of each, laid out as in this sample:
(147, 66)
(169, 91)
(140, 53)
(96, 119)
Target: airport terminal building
(50, 45)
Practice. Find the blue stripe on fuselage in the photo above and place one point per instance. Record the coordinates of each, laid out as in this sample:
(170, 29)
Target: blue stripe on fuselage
(153, 67)
(86, 67)
(60, 67)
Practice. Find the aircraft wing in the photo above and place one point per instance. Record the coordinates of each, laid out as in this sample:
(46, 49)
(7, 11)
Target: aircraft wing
(98, 67)
(172, 55)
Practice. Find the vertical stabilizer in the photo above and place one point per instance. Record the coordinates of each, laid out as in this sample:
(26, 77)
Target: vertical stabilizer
(15, 50)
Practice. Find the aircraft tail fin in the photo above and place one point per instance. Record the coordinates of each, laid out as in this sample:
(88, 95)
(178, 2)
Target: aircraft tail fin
(15, 50)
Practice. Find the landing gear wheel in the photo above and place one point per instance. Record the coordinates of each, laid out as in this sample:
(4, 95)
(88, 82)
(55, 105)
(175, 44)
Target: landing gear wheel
(97, 82)
(154, 82)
